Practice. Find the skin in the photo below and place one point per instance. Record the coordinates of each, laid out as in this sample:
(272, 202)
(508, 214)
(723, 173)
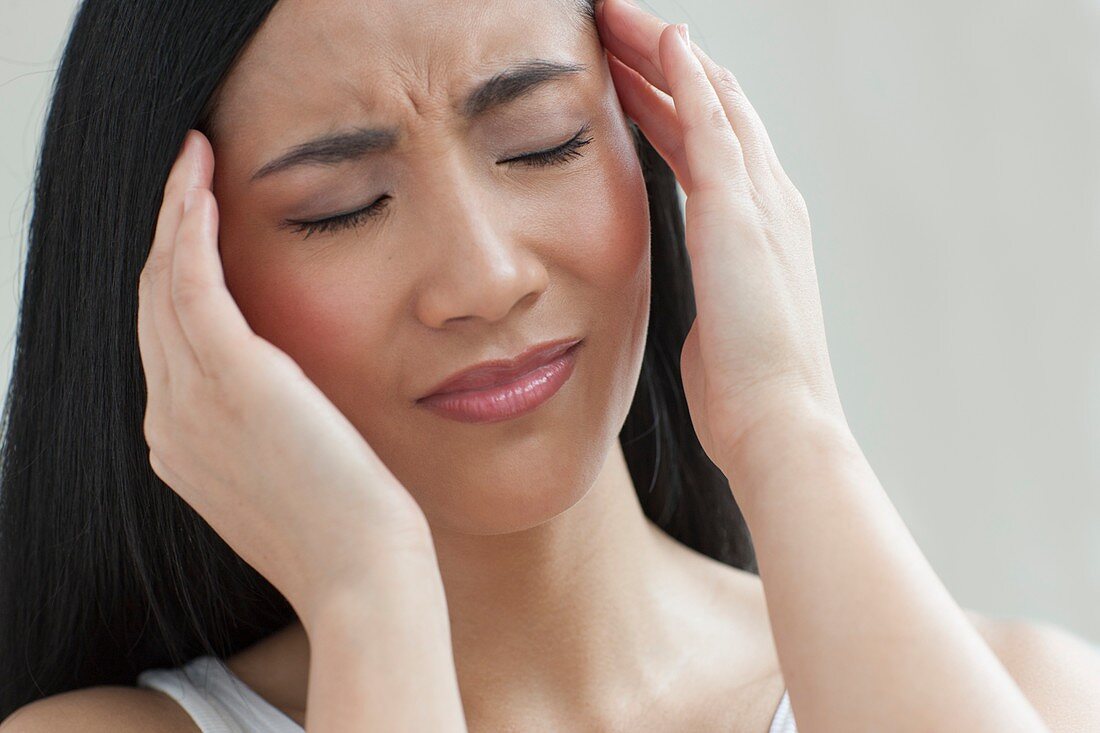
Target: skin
(485, 590)
(472, 263)
(598, 579)
(552, 601)
(469, 262)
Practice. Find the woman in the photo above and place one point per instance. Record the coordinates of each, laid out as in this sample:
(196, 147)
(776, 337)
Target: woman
(311, 484)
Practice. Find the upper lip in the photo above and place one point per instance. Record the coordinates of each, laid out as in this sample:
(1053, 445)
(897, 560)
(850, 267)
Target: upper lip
(502, 371)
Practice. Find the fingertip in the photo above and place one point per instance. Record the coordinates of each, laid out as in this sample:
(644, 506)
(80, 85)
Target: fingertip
(676, 52)
(603, 26)
(196, 158)
(206, 158)
(679, 34)
(204, 215)
(667, 47)
(189, 140)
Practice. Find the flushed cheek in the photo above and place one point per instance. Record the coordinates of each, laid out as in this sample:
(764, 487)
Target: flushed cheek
(327, 319)
(600, 220)
(609, 217)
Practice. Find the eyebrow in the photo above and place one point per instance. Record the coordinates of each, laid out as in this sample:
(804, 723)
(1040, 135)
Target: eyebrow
(503, 87)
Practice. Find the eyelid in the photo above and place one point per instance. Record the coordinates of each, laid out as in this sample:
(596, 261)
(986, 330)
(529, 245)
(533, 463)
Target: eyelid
(553, 149)
(557, 155)
(337, 221)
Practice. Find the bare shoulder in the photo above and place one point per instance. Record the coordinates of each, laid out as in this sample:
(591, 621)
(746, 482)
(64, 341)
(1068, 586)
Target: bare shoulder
(1058, 671)
(101, 709)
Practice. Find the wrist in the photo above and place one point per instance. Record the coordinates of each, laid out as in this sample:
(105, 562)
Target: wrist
(389, 639)
(793, 437)
(380, 584)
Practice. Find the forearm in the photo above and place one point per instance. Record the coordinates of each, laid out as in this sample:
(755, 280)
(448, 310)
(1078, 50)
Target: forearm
(381, 659)
(868, 637)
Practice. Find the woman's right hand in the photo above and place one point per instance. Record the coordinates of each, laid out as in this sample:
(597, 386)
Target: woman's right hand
(236, 428)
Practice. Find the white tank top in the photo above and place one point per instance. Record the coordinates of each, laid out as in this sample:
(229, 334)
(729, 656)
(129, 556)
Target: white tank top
(220, 702)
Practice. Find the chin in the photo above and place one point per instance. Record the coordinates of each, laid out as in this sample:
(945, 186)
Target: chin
(525, 480)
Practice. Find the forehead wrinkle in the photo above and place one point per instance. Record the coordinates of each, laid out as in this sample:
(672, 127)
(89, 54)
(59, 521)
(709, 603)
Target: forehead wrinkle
(356, 51)
(501, 89)
(422, 60)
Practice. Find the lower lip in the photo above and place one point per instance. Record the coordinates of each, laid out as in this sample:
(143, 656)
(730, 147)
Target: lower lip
(507, 401)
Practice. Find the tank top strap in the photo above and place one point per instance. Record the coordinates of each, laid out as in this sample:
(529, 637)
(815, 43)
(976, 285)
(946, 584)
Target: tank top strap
(783, 720)
(216, 699)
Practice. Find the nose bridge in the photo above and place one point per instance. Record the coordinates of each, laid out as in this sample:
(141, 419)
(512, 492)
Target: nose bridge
(473, 266)
(455, 199)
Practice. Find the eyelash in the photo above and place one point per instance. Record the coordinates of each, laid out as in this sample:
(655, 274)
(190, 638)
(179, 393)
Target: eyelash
(559, 155)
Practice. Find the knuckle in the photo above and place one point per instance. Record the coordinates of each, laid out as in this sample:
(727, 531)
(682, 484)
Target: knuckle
(726, 83)
(761, 203)
(168, 439)
(186, 292)
(737, 184)
(715, 116)
(184, 389)
(679, 149)
(156, 464)
(148, 273)
(714, 195)
(223, 391)
(154, 433)
(713, 201)
(796, 202)
(160, 465)
(800, 204)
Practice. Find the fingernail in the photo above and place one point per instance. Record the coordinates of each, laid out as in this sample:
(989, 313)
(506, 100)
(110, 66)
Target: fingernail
(189, 199)
(683, 29)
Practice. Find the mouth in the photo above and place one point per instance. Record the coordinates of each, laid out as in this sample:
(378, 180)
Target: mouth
(505, 390)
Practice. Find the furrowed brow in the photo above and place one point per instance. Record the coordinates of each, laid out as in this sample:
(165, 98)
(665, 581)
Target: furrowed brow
(331, 150)
(515, 82)
(339, 147)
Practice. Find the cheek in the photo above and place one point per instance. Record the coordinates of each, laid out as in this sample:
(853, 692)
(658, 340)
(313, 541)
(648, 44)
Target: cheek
(599, 223)
(605, 228)
(328, 319)
(611, 221)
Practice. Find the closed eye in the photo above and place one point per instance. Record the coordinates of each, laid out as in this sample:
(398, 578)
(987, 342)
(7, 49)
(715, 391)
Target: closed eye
(559, 155)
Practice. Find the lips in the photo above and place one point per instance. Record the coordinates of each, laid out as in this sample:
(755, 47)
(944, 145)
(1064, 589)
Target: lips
(502, 371)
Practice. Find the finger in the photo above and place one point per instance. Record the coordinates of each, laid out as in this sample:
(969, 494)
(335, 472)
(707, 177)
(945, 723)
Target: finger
(190, 171)
(152, 338)
(149, 348)
(759, 153)
(207, 315)
(633, 35)
(654, 114)
(712, 150)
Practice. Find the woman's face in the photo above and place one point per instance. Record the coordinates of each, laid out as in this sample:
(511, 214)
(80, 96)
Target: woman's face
(468, 258)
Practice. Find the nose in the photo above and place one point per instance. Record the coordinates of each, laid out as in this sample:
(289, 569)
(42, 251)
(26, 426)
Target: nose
(477, 268)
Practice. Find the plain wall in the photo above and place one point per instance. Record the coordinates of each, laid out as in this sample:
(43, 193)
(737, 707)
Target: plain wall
(950, 156)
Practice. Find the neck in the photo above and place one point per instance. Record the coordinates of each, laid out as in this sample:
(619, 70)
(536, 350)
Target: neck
(597, 604)
(561, 609)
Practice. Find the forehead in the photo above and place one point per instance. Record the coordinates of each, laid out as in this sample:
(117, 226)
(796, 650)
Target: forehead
(335, 60)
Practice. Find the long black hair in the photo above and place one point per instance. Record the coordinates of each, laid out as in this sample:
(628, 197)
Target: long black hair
(104, 570)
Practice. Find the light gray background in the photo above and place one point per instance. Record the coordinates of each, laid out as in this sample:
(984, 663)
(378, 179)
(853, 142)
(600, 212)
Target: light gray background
(950, 156)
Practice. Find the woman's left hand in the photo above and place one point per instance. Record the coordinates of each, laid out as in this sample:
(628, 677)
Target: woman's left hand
(756, 351)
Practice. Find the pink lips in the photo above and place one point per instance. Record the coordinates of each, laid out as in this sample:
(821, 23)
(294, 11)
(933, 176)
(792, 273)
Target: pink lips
(505, 389)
